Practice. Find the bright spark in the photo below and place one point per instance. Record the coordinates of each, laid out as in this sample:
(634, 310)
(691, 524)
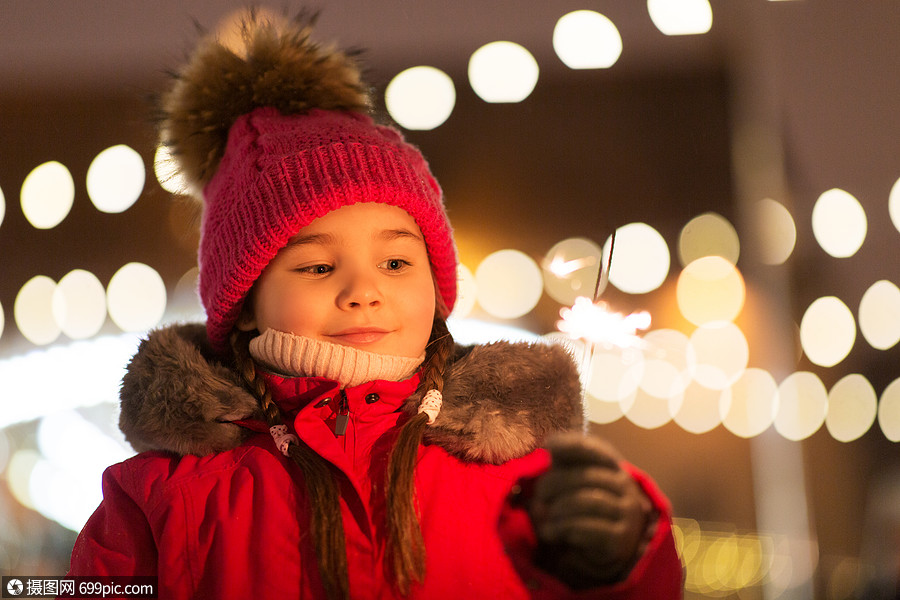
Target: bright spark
(594, 322)
(563, 268)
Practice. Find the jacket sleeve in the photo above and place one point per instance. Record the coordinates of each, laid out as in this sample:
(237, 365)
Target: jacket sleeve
(658, 573)
(117, 539)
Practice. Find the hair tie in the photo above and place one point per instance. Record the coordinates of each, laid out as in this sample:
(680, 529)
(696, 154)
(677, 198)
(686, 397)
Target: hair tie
(283, 438)
(431, 405)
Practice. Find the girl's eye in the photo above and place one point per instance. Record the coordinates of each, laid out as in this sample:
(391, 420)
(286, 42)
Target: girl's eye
(315, 269)
(394, 264)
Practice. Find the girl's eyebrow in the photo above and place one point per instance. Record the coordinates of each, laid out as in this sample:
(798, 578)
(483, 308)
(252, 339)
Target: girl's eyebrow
(394, 234)
(326, 239)
(321, 239)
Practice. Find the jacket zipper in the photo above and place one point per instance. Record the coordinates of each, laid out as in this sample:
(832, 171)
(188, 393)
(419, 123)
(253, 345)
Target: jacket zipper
(343, 415)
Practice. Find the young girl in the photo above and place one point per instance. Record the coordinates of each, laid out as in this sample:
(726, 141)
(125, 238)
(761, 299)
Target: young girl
(322, 436)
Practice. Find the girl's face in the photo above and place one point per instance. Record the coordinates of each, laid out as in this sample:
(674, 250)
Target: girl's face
(359, 276)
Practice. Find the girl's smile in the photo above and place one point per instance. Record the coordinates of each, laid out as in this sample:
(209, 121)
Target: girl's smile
(358, 336)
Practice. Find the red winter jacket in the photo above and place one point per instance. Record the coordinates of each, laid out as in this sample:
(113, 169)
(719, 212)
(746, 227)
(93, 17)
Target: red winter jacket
(231, 523)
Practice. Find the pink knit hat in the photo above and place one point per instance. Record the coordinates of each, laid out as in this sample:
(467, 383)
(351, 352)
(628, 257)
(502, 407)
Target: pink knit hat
(297, 149)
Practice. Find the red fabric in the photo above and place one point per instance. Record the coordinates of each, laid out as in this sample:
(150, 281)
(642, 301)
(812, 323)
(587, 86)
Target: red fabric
(232, 525)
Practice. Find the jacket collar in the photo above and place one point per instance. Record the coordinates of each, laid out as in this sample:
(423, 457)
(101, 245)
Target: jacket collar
(500, 400)
(293, 393)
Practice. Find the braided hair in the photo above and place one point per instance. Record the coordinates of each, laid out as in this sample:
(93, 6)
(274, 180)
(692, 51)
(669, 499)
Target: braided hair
(406, 549)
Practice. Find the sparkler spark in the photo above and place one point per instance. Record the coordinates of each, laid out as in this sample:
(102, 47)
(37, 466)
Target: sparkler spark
(563, 268)
(595, 323)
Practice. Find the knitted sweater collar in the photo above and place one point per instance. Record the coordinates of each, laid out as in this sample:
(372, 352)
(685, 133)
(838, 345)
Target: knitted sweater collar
(297, 356)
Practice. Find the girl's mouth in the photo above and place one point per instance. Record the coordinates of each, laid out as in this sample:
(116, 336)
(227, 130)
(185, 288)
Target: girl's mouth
(359, 335)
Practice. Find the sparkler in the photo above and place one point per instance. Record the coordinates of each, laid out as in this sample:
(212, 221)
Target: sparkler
(590, 319)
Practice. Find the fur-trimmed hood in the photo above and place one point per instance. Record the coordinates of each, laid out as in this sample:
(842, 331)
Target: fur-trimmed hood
(500, 400)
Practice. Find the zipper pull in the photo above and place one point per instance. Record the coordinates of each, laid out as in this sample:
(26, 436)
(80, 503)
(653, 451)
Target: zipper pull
(343, 415)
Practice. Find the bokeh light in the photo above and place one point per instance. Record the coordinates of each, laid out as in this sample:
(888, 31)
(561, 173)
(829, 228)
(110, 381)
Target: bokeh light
(681, 17)
(466, 292)
(79, 304)
(33, 311)
(136, 297)
(65, 484)
(585, 39)
(827, 331)
(720, 562)
(748, 407)
(2, 320)
(839, 223)
(420, 98)
(894, 204)
(889, 411)
(231, 29)
(722, 353)
(5, 450)
(710, 289)
(116, 179)
(614, 373)
(852, 408)
(640, 258)
(167, 173)
(879, 315)
(91, 369)
(602, 411)
(2, 206)
(48, 193)
(669, 363)
(509, 284)
(802, 405)
(647, 410)
(18, 475)
(570, 269)
(709, 234)
(184, 304)
(697, 410)
(775, 230)
(503, 72)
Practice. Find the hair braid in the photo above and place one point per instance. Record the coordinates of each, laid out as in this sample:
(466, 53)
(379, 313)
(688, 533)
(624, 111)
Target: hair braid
(405, 543)
(326, 523)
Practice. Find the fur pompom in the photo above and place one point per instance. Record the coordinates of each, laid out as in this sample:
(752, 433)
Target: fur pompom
(274, 63)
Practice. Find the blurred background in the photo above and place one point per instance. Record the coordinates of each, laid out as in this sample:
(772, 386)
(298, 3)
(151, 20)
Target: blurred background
(745, 153)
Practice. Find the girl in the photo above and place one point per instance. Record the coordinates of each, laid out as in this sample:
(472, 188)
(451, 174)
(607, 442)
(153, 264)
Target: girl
(322, 436)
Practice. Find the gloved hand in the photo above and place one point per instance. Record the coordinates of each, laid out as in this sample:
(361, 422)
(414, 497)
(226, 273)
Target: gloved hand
(589, 514)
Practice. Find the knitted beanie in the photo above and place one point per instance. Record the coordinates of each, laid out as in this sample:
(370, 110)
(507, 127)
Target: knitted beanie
(274, 134)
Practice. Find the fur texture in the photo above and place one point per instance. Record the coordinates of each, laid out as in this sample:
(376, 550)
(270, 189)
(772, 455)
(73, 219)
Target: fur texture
(500, 401)
(176, 397)
(274, 64)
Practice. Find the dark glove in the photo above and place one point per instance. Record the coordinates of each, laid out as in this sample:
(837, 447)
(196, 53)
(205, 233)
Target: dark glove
(589, 514)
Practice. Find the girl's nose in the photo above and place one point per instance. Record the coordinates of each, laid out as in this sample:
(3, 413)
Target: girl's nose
(360, 291)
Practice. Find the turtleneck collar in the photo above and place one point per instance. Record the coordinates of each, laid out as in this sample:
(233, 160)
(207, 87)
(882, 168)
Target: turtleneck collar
(297, 356)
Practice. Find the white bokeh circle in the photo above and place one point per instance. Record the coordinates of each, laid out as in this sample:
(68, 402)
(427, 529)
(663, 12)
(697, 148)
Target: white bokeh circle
(420, 98)
(748, 407)
(509, 284)
(852, 408)
(136, 297)
(802, 405)
(827, 331)
(640, 258)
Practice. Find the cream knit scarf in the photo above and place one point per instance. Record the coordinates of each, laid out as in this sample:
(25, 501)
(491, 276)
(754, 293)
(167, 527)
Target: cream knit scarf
(297, 356)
